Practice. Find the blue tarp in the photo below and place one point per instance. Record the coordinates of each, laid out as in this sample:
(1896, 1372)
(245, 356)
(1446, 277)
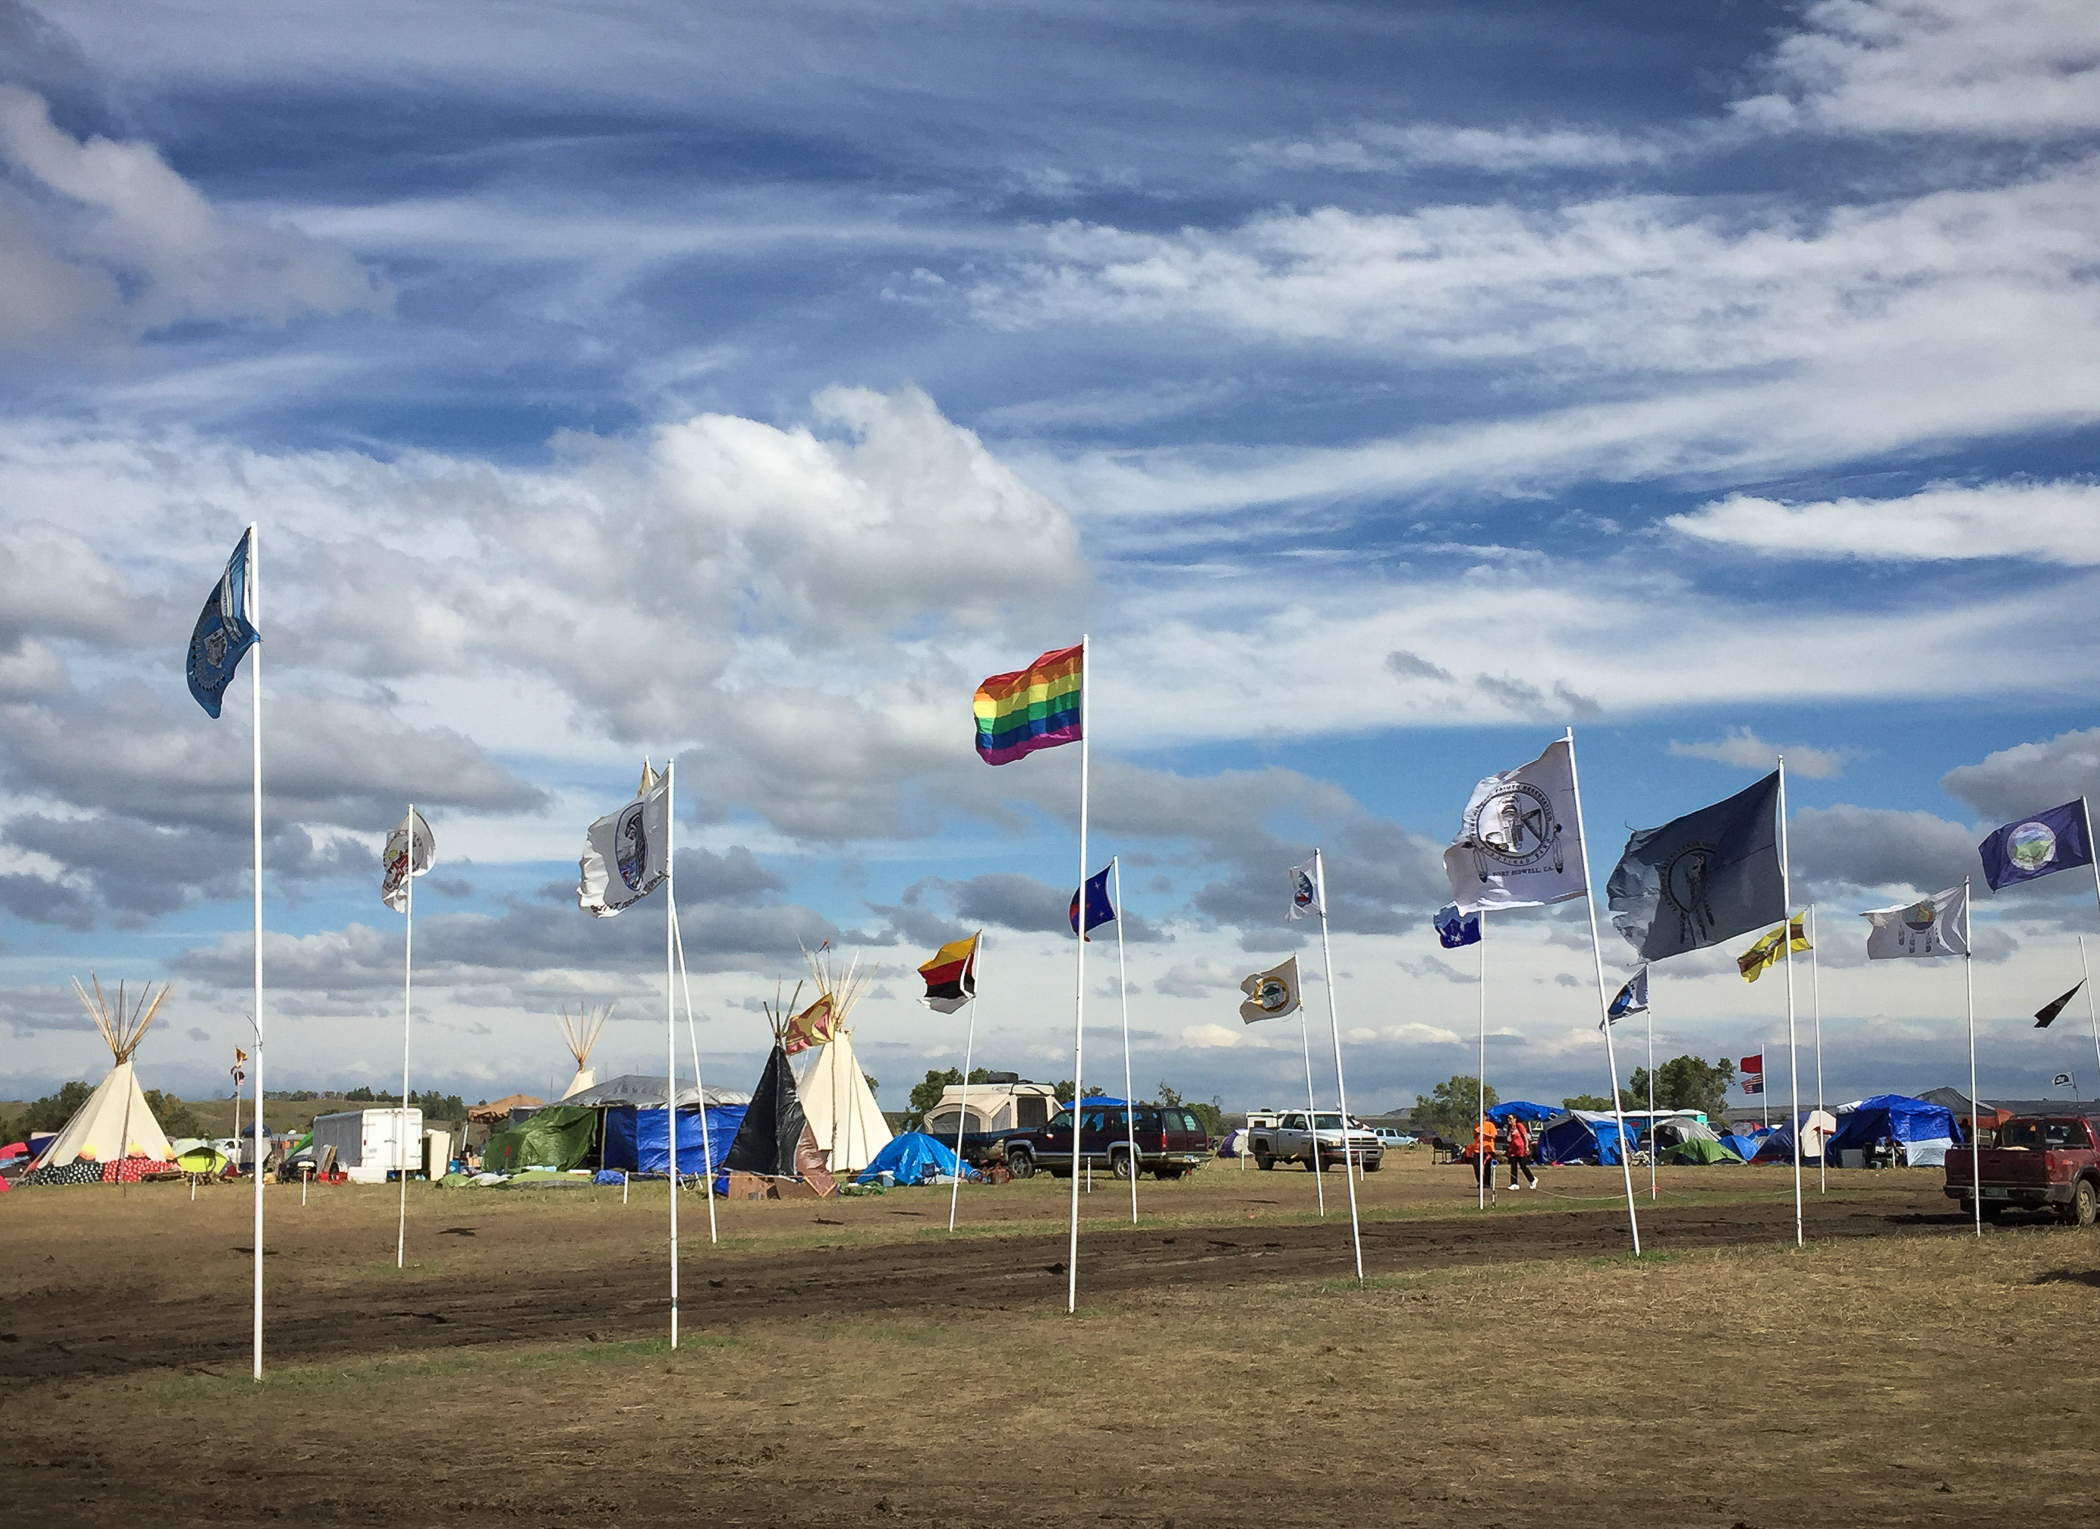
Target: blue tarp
(635, 1141)
(910, 1159)
(1745, 1147)
(1577, 1139)
(1895, 1116)
(1523, 1109)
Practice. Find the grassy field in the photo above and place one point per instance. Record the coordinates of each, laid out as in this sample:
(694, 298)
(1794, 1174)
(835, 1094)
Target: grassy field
(1887, 1379)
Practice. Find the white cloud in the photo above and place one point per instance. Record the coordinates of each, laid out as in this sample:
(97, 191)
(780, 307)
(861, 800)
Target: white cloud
(113, 242)
(2046, 522)
(1744, 749)
(2030, 776)
(1503, 150)
(2002, 68)
(1209, 1037)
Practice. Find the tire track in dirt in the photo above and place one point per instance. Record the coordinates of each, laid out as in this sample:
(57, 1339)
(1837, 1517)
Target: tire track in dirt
(87, 1331)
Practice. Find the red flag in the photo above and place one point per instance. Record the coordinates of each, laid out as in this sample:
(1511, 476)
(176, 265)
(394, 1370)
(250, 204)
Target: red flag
(1754, 1063)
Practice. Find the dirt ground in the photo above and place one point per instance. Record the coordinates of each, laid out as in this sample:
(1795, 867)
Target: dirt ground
(851, 1362)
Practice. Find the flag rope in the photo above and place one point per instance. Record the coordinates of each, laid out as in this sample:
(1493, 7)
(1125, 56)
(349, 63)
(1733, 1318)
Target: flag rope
(707, 1146)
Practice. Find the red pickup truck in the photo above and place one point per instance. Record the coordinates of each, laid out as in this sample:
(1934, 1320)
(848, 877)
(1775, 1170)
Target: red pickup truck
(2040, 1162)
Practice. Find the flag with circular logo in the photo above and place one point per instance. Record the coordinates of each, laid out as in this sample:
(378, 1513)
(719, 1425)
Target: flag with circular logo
(2047, 842)
(1271, 994)
(1932, 926)
(1519, 844)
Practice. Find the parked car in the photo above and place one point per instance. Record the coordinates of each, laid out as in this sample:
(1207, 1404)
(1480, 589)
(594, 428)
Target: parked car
(1319, 1144)
(1170, 1142)
(2040, 1162)
(1392, 1136)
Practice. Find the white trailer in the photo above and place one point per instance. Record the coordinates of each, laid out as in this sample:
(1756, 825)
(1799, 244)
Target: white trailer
(370, 1144)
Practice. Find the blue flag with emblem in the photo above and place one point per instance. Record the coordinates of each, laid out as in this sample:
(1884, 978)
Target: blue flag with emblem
(1099, 910)
(1632, 999)
(1456, 929)
(2036, 846)
(223, 633)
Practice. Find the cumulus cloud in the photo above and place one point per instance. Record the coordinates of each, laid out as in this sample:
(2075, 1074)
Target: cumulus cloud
(1746, 751)
(1855, 847)
(101, 240)
(2046, 522)
(2030, 776)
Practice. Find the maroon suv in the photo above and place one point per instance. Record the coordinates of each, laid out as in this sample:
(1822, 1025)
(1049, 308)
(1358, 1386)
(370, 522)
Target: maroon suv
(1171, 1141)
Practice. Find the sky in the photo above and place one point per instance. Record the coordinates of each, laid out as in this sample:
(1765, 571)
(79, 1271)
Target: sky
(1383, 390)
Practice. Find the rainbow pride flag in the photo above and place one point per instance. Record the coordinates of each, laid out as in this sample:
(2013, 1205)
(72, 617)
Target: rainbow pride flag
(1033, 708)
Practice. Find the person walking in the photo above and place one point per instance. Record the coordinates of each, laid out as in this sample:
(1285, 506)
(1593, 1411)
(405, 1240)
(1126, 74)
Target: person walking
(1516, 1146)
(1483, 1151)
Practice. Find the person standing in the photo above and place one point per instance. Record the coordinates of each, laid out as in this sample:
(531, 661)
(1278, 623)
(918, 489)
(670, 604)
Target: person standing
(1517, 1147)
(1483, 1150)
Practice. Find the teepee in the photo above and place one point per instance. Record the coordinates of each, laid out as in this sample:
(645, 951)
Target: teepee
(836, 1099)
(581, 1034)
(774, 1139)
(116, 1121)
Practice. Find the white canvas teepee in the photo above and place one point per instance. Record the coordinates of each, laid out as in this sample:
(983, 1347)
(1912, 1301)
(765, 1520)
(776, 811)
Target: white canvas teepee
(581, 1034)
(116, 1121)
(836, 1100)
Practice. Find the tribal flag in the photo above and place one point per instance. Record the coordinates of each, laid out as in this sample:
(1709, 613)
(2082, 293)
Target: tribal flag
(408, 845)
(951, 976)
(1456, 929)
(1753, 1074)
(624, 857)
(2045, 1016)
(1932, 926)
(239, 1069)
(2061, 1080)
(223, 634)
(2049, 841)
(1034, 708)
(1702, 878)
(1766, 953)
(1631, 999)
(812, 1027)
(1099, 910)
(1308, 891)
(1519, 844)
(1271, 994)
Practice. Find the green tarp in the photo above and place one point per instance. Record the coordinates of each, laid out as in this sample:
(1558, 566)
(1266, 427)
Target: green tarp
(555, 1137)
(1700, 1150)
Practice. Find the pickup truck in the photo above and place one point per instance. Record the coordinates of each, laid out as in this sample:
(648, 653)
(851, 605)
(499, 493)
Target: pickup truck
(1171, 1141)
(1285, 1138)
(2039, 1162)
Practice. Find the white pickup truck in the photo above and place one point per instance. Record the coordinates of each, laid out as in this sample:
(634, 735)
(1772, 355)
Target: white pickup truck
(1285, 1137)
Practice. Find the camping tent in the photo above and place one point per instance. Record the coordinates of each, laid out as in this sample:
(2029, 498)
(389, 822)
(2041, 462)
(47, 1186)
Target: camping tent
(840, 1108)
(1923, 1132)
(116, 1121)
(634, 1139)
(646, 1091)
(1699, 1151)
(1580, 1136)
(911, 1159)
(559, 1136)
(1523, 1109)
(1817, 1127)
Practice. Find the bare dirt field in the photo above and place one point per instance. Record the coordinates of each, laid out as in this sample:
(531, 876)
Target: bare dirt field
(850, 1362)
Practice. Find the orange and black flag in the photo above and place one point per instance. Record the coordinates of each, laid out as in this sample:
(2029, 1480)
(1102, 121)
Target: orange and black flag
(951, 976)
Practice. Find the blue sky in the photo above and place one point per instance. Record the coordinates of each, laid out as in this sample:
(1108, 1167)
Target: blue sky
(1383, 388)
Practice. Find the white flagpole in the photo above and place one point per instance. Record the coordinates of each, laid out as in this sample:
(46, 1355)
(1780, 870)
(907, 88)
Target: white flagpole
(670, 1030)
(254, 593)
(1341, 1083)
(2086, 808)
(1968, 978)
(1786, 950)
(1086, 729)
(2092, 1014)
(1650, 1015)
(1611, 1050)
(1481, 1083)
(1115, 866)
(408, 967)
(962, 1115)
(1815, 980)
(707, 1146)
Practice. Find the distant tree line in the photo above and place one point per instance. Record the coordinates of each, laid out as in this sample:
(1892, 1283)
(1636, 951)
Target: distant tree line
(1683, 1083)
(51, 1113)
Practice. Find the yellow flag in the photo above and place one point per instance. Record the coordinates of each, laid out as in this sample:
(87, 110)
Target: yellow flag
(1754, 962)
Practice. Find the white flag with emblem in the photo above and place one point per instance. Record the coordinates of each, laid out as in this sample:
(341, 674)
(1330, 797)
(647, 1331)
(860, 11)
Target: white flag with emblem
(1931, 926)
(1271, 994)
(1520, 845)
(623, 856)
(410, 851)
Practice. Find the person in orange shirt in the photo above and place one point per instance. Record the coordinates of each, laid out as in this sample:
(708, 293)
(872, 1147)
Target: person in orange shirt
(1483, 1152)
(1516, 1147)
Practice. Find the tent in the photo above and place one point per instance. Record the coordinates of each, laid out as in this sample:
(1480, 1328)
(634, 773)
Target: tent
(1580, 1136)
(774, 1138)
(646, 1091)
(1744, 1147)
(911, 1159)
(1817, 1127)
(559, 1136)
(1922, 1132)
(635, 1142)
(1523, 1109)
(116, 1121)
(836, 1100)
(580, 1035)
(1699, 1151)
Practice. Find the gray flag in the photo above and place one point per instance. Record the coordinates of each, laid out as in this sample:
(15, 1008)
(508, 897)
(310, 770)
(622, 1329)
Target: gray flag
(1702, 878)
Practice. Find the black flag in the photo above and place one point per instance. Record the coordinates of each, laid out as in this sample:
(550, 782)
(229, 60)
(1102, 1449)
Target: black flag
(1702, 878)
(2054, 1007)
